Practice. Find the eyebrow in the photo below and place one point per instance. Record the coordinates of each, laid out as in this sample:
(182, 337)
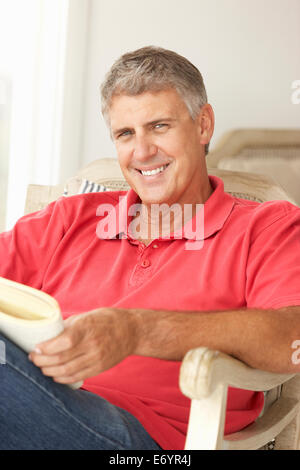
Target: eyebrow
(147, 124)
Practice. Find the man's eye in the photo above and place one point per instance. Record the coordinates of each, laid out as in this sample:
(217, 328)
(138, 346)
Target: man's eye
(161, 125)
(124, 134)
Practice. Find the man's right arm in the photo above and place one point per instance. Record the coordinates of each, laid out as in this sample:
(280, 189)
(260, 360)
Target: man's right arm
(26, 250)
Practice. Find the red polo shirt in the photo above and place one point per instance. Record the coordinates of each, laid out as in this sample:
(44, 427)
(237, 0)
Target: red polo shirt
(247, 256)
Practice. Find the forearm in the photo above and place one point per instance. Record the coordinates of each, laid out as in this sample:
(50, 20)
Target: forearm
(260, 338)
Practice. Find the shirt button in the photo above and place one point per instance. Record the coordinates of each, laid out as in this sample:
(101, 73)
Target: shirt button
(155, 246)
(145, 263)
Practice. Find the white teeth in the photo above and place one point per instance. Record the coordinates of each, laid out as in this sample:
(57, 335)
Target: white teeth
(154, 172)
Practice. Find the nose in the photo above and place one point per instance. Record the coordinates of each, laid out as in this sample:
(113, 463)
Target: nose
(144, 148)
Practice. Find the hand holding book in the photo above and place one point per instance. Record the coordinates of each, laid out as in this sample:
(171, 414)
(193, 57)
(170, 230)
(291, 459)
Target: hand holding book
(28, 316)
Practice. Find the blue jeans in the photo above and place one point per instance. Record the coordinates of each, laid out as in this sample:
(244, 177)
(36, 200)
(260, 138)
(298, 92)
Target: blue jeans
(37, 413)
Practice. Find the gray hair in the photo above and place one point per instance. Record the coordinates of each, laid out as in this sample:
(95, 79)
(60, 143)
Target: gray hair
(154, 69)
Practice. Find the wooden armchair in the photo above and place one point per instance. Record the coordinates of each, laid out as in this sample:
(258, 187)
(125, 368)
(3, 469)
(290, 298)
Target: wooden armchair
(205, 374)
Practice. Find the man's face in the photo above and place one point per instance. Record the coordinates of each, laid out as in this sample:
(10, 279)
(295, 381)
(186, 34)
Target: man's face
(154, 132)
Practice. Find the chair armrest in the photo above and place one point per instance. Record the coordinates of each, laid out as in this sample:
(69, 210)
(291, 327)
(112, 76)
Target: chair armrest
(204, 378)
(202, 370)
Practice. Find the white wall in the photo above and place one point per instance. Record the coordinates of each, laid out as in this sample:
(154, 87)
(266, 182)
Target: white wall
(247, 50)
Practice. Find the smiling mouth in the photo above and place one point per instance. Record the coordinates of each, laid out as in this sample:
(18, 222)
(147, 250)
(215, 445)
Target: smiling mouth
(157, 171)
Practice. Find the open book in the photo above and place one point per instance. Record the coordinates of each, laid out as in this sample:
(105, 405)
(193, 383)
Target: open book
(28, 316)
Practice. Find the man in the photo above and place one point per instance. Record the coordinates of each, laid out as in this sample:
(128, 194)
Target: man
(148, 299)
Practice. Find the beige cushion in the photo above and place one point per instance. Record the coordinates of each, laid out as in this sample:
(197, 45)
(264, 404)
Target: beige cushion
(271, 152)
(283, 164)
(107, 172)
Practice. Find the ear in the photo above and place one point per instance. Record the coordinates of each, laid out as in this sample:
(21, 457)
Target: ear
(206, 121)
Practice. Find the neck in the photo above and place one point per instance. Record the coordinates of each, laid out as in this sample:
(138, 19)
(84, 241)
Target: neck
(160, 220)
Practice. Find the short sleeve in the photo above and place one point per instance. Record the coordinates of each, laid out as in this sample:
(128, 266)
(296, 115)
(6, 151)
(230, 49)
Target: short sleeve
(27, 249)
(273, 268)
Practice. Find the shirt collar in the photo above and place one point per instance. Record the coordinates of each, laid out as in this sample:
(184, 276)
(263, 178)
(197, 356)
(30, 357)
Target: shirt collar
(207, 221)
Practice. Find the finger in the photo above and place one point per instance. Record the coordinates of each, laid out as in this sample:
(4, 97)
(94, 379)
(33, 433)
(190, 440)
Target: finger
(42, 360)
(69, 368)
(63, 342)
(77, 377)
(93, 368)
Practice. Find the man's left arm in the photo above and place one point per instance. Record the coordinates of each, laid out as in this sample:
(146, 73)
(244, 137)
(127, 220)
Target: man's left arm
(261, 338)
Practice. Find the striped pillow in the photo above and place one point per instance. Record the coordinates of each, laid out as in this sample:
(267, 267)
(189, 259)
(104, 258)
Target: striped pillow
(87, 186)
(90, 187)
